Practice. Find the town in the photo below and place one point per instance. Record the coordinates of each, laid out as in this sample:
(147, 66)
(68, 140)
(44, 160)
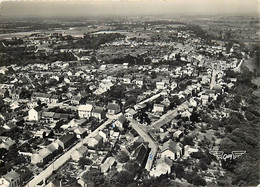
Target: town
(125, 103)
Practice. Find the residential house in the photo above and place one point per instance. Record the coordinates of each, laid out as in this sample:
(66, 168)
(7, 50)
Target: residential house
(99, 113)
(80, 132)
(75, 100)
(163, 166)
(172, 150)
(125, 65)
(127, 79)
(4, 93)
(100, 91)
(211, 93)
(131, 135)
(189, 150)
(54, 183)
(3, 69)
(178, 134)
(113, 108)
(41, 157)
(6, 142)
(54, 99)
(103, 67)
(186, 114)
(44, 98)
(79, 153)
(104, 135)
(114, 135)
(16, 94)
(54, 148)
(160, 85)
(25, 174)
(120, 122)
(93, 141)
(11, 179)
(193, 102)
(166, 102)
(139, 82)
(130, 113)
(61, 116)
(40, 134)
(8, 116)
(84, 111)
(158, 108)
(140, 154)
(106, 166)
(165, 67)
(35, 114)
(48, 116)
(67, 80)
(218, 89)
(204, 99)
(10, 126)
(66, 140)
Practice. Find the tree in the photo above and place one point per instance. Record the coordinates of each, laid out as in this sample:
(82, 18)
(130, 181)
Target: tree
(122, 157)
(132, 166)
(194, 117)
(178, 56)
(178, 169)
(93, 176)
(175, 100)
(93, 59)
(249, 116)
(25, 94)
(187, 140)
(197, 180)
(3, 107)
(130, 101)
(117, 91)
(153, 74)
(39, 103)
(159, 99)
(124, 178)
(84, 161)
(203, 165)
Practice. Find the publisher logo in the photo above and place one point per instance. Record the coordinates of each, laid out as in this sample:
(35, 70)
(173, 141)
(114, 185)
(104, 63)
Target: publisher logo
(223, 156)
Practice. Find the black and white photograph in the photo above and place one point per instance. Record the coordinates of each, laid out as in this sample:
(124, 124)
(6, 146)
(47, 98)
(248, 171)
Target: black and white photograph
(129, 93)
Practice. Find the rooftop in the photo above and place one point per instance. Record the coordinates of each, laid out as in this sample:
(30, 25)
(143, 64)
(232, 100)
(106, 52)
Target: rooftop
(86, 107)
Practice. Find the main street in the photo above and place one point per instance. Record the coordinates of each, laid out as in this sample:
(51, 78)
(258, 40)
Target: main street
(64, 158)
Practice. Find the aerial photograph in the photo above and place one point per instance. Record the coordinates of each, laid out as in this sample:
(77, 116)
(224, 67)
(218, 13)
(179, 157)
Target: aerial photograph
(129, 93)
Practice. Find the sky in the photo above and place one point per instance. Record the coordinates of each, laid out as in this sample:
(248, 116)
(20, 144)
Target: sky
(79, 8)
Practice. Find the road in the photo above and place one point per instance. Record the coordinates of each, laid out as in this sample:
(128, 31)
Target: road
(150, 98)
(50, 105)
(64, 158)
(213, 79)
(137, 126)
(164, 119)
(238, 68)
